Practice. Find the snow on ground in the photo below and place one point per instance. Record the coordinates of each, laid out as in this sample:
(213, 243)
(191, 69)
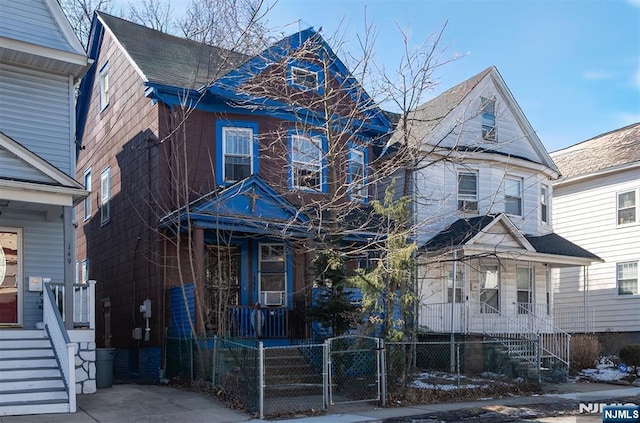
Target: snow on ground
(450, 382)
(606, 371)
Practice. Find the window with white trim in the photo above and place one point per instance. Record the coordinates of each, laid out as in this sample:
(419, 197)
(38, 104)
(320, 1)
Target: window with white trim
(488, 115)
(87, 201)
(105, 196)
(237, 150)
(627, 207)
(468, 191)
(272, 274)
(306, 162)
(627, 278)
(357, 174)
(513, 196)
(104, 86)
(458, 285)
(489, 289)
(524, 287)
(544, 203)
(304, 78)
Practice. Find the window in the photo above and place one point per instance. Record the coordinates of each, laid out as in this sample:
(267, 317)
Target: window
(306, 162)
(85, 271)
(11, 284)
(513, 196)
(488, 113)
(627, 277)
(273, 276)
(304, 79)
(544, 207)
(357, 174)
(87, 201)
(524, 286)
(104, 86)
(627, 204)
(458, 283)
(489, 289)
(467, 191)
(105, 196)
(237, 149)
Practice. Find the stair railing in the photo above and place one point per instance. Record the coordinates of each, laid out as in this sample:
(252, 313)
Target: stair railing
(554, 342)
(64, 349)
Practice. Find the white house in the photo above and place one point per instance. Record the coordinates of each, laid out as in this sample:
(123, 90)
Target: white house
(482, 205)
(47, 340)
(597, 205)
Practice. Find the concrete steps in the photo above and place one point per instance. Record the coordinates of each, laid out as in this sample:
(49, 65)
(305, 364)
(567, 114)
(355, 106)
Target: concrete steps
(30, 380)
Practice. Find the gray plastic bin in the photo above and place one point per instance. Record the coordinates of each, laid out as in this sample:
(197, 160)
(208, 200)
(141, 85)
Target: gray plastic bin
(104, 367)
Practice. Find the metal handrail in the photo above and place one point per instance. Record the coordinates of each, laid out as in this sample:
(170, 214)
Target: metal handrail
(555, 342)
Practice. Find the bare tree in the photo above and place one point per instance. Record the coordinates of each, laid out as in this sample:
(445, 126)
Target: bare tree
(80, 14)
(155, 14)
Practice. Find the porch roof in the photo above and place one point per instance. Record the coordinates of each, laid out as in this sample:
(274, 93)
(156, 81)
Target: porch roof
(463, 234)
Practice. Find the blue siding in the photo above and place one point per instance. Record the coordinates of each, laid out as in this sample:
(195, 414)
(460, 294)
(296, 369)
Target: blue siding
(180, 312)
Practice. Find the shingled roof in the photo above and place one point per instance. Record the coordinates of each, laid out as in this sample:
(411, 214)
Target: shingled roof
(430, 114)
(607, 151)
(168, 60)
(463, 230)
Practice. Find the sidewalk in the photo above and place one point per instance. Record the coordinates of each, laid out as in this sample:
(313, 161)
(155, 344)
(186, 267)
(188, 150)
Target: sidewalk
(162, 404)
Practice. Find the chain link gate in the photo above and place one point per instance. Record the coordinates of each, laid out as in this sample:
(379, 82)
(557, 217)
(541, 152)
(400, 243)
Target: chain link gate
(355, 370)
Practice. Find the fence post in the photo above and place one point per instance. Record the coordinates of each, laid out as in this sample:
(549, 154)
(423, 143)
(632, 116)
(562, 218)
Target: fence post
(382, 368)
(214, 360)
(326, 365)
(261, 379)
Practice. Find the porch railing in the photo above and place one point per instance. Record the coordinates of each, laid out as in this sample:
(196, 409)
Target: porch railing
(258, 322)
(63, 348)
(554, 342)
(84, 305)
(438, 318)
(575, 319)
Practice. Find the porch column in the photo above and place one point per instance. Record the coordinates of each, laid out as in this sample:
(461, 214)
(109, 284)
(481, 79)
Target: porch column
(69, 264)
(198, 252)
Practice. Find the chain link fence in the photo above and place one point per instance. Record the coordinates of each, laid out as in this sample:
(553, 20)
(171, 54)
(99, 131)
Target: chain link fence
(280, 381)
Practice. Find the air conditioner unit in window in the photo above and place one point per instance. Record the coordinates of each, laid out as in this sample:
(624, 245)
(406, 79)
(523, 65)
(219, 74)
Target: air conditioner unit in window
(273, 298)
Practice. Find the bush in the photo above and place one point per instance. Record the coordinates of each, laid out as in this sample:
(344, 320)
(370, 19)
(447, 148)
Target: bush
(630, 355)
(585, 351)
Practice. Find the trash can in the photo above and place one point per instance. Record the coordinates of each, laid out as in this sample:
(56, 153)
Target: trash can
(104, 367)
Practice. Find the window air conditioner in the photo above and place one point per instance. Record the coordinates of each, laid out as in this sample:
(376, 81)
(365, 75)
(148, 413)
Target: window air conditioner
(273, 298)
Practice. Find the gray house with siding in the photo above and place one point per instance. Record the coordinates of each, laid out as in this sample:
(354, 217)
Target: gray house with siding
(47, 340)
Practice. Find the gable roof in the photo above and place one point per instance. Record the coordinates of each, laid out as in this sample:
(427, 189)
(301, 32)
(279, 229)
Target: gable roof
(428, 116)
(169, 60)
(609, 151)
(37, 34)
(463, 232)
(44, 177)
(249, 205)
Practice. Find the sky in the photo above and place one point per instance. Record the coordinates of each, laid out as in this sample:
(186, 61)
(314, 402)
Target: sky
(573, 66)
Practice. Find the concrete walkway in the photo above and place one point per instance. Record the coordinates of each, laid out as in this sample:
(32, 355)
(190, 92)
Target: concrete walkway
(163, 404)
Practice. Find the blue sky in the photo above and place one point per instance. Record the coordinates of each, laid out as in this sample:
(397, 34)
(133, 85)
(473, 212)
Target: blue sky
(573, 66)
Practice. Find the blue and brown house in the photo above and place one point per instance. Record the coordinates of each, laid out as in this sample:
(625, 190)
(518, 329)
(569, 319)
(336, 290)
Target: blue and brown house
(215, 176)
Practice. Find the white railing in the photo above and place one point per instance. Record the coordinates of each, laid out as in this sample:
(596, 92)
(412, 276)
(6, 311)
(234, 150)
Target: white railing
(63, 348)
(581, 319)
(554, 342)
(437, 318)
(84, 304)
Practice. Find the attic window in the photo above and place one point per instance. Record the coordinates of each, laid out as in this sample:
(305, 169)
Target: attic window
(488, 114)
(304, 78)
(104, 87)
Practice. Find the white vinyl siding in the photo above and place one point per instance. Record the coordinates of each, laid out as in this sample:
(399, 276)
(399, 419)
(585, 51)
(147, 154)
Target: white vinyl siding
(596, 229)
(27, 93)
(12, 167)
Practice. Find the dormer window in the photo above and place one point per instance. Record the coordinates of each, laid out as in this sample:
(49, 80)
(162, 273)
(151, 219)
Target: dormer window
(488, 115)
